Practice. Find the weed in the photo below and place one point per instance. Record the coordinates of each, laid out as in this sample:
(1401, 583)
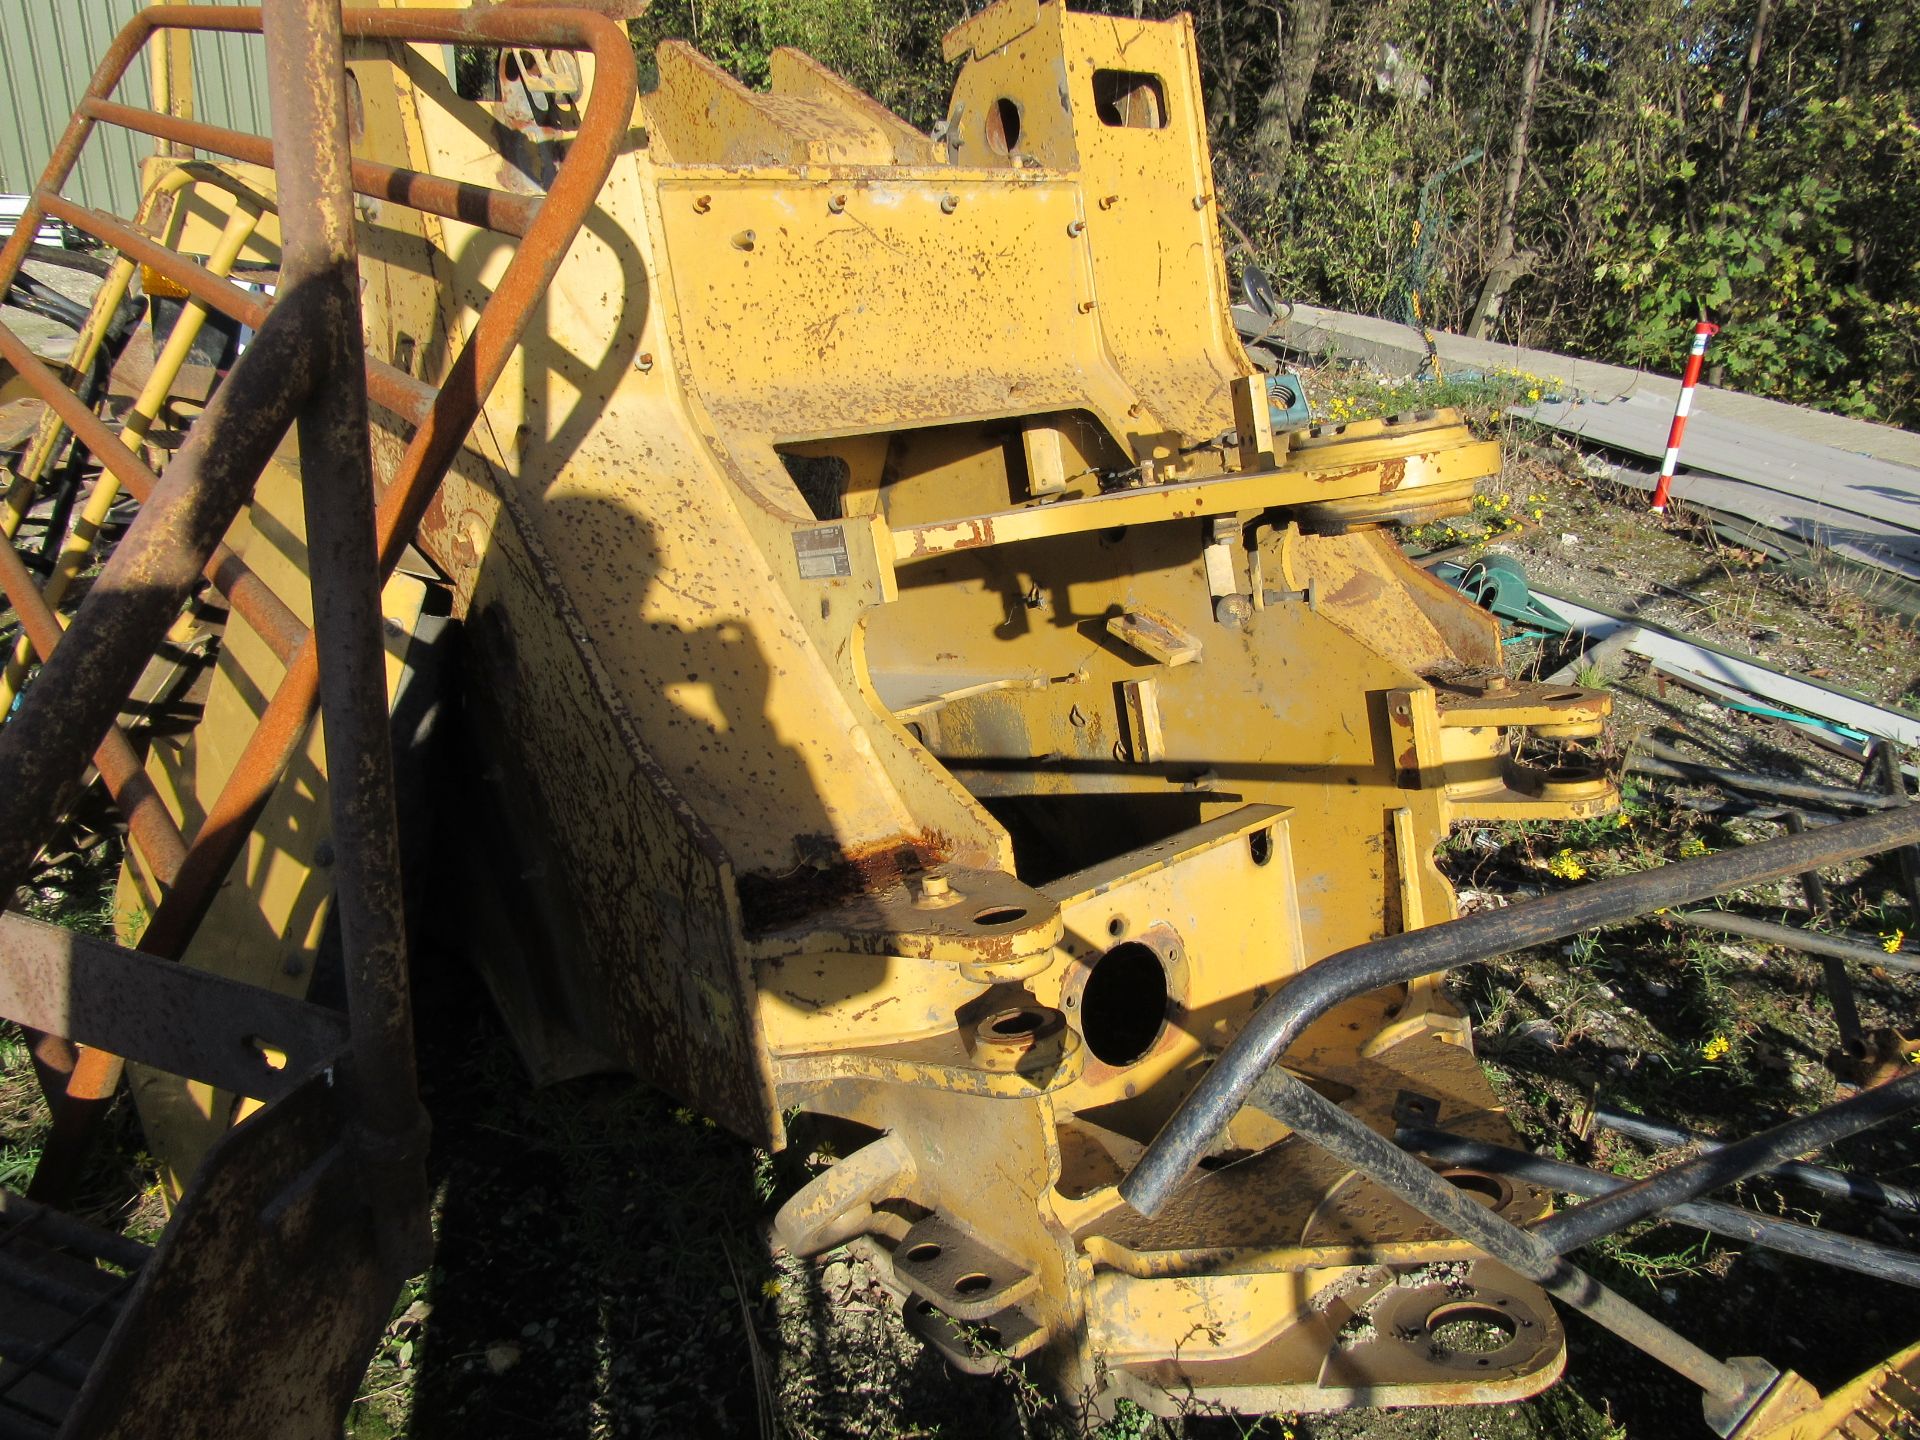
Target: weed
(1630, 1254)
(22, 1118)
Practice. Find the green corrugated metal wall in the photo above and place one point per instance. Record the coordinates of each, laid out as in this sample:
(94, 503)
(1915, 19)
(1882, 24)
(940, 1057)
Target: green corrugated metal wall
(48, 49)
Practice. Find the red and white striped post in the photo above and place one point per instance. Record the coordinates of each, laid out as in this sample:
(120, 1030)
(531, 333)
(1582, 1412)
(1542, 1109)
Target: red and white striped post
(1696, 358)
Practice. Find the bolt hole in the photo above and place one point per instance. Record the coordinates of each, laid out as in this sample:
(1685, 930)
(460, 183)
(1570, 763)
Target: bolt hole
(1016, 1022)
(1003, 126)
(1469, 1328)
(1222, 1160)
(1117, 926)
(1124, 1003)
(923, 1252)
(973, 1284)
(1490, 1190)
(1260, 846)
(926, 1307)
(999, 915)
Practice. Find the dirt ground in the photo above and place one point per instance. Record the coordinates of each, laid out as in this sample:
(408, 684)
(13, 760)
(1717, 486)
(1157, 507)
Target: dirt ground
(603, 1266)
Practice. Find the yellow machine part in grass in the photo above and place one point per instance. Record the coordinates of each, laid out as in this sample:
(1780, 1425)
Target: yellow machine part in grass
(930, 707)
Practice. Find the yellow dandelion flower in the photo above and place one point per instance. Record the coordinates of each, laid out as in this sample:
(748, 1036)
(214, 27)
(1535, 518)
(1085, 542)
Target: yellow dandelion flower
(1567, 866)
(1715, 1049)
(1692, 848)
(1892, 940)
(1538, 512)
(770, 1288)
(1534, 393)
(1620, 821)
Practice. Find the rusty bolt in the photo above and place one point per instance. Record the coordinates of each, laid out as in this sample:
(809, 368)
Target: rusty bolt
(743, 240)
(702, 204)
(934, 892)
(1136, 410)
(1077, 227)
(949, 204)
(643, 362)
(1086, 307)
(836, 204)
(1107, 202)
(1200, 201)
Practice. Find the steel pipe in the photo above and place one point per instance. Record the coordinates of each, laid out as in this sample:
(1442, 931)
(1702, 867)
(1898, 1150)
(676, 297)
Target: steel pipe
(252, 599)
(149, 823)
(1846, 1009)
(1778, 787)
(154, 568)
(497, 210)
(1838, 1183)
(443, 427)
(471, 378)
(1727, 1163)
(1807, 1242)
(1797, 937)
(1397, 959)
(1296, 1105)
(391, 387)
(319, 255)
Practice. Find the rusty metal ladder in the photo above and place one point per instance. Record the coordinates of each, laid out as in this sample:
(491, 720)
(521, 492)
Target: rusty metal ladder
(285, 1251)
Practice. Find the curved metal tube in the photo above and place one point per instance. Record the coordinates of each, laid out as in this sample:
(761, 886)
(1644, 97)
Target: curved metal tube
(1396, 959)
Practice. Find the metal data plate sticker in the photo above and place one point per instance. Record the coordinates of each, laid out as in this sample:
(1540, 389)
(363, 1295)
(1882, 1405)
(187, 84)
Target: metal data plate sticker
(822, 553)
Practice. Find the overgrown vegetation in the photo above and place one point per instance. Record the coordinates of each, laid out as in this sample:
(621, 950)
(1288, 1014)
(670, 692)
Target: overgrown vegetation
(1585, 175)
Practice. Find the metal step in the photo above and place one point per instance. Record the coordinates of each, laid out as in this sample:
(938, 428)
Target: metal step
(62, 1283)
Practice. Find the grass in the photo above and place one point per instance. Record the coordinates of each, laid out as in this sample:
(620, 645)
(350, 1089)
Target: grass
(22, 1117)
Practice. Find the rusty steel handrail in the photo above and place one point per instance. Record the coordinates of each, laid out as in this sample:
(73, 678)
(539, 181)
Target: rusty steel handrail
(443, 416)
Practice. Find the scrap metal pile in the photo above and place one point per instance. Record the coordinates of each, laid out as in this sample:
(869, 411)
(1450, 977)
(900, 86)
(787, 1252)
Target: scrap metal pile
(921, 699)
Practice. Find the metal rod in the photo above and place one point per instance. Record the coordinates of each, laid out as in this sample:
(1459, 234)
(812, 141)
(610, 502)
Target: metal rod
(443, 425)
(252, 599)
(1797, 937)
(1724, 1164)
(1840, 1183)
(469, 381)
(1296, 1105)
(319, 255)
(71, 1234)
(85, 353)
(1884, 766)
(497, 210)
(1396, 959)
(139, 419)
(1808, 1242)
(1846, 1009)
(149, 823)
(154, 568)
(1831, 796)
(392, 387)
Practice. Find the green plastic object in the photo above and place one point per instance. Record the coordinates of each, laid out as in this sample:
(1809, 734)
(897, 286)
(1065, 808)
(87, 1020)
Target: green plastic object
(1497, 583)
(1287, 399)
